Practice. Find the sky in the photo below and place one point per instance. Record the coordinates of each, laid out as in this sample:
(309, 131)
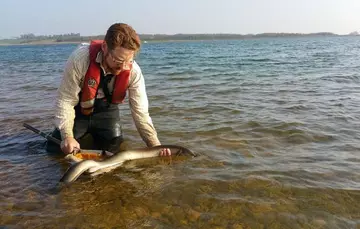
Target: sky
(90, 17)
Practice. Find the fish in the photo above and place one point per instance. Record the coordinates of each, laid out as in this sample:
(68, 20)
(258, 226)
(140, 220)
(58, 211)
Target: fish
(116, 160)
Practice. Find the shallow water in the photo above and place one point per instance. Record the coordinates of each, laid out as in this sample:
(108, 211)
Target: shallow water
(276, 122)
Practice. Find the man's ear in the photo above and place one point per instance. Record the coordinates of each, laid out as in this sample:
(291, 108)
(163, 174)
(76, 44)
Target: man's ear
(104, 47)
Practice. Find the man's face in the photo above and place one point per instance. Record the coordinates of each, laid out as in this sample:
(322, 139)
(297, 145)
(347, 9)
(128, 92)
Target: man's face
(118, 59)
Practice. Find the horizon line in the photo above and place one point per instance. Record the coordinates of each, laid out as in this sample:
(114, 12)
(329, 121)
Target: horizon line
(181, 33)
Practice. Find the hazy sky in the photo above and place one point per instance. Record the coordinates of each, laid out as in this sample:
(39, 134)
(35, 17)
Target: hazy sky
(89, 17)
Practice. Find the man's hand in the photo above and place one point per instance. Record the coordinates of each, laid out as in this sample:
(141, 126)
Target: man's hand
(69, 144)
(165, 152)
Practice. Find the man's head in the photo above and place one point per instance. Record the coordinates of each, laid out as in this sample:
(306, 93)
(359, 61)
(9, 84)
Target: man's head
(120, 47)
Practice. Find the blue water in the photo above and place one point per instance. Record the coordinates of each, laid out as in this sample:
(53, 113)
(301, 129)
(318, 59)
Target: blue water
(276, 122)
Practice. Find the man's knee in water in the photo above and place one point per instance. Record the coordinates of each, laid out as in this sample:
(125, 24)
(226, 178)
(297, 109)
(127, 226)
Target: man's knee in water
(113, 145)
(52, 147)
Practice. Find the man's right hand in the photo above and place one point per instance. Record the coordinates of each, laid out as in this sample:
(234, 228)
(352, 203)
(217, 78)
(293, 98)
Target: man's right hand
(69, 144)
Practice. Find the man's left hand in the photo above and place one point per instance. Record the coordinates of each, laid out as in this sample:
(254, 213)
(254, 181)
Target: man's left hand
(165, 152)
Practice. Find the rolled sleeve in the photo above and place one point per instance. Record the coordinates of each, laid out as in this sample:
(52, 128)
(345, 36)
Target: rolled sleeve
(139, 107)
(69, 89)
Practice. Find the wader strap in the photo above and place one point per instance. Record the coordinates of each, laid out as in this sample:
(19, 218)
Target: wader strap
(104, 81)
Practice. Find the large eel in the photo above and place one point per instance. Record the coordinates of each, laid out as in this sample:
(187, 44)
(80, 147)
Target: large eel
(118, 159)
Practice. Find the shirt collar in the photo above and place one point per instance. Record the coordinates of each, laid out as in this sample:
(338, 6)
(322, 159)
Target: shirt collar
(99, 58)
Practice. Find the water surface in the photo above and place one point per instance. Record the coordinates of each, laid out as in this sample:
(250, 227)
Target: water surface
(276, 122)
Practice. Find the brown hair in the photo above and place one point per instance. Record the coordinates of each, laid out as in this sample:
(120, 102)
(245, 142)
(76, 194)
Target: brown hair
(122, 35)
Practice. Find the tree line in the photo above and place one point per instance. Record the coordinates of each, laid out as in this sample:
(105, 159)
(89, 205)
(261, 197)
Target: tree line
(76, 37)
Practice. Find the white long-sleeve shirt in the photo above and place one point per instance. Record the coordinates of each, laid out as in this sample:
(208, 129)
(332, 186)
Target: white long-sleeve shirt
(72, 82)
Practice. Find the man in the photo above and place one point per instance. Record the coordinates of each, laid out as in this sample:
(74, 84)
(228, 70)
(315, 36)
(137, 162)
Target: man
(96, 80)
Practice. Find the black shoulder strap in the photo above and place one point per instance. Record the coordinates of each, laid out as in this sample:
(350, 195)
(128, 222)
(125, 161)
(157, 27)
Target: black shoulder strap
(104, 80)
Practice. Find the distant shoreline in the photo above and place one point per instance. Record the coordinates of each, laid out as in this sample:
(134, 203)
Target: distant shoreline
(79, 42)
(147, 38)
(43, 42)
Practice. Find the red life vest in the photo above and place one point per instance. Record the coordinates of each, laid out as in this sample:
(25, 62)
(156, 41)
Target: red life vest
(92, 81)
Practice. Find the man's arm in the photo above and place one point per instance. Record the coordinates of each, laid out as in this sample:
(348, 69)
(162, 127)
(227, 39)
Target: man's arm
(139, 107)
(68, 92)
